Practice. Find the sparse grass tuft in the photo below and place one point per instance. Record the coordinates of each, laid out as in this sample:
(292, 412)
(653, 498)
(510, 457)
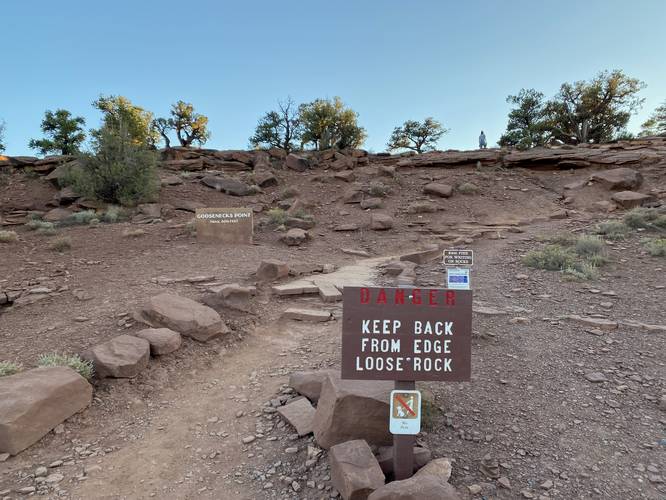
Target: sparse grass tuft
(9, 368)
(82, 367)
(114, 213)
(277, 216)
(468, 188)
(612, 230)
(550, 258)
(378, 190)
(79, 218)
(562, 239)
(656, 247)
(589, 246)
(8, 236)
(191, 227)
(133, 233)
(581, 259)
(40, 225)
(61, 244)
(646, 218)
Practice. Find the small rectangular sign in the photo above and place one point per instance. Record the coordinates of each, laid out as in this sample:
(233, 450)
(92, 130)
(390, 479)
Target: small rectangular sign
(232, 226)
(405, 412)
(457, 279)
(406, 334)
(458, 257)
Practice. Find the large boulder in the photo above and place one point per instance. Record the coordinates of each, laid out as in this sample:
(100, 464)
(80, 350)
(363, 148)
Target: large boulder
(431, 481)
(300, 414)
(618, 178)
(57, 215)
(631, 199)
(295, 237)
(271, 270)
(355, 472)
(182, 315)
(297, 162)
(121, 357)
(309, 383)
(436, 189)
(353, 409)
(34, 402)
(228, 185)
(162, 340)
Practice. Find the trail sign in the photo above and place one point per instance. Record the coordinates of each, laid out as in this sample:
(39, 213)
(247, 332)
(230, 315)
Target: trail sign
(224, 225)
(457, 278)
(405, 412)
(458, 257)
(406, 334)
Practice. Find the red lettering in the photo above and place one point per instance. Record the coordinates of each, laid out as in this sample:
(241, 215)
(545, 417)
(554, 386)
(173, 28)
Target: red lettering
(450, 298)
(432, 297)
(416, 296)
(365, 296)
(399, 296)
(381, 296)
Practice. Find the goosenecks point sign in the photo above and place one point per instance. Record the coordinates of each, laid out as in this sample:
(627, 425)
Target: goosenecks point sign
(406, 334)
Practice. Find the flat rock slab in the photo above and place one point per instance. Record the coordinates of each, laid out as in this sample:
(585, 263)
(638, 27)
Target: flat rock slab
(34, 402)
(599, 323)
(121, 357)
(162, 340)
(182, 315)
(300, 414)
(295, 288)
(618, 178)
(436, 189)
(355, 472)
(423, 256)
(232, 296)
(631, 199)
(328, 292)
(311, 315)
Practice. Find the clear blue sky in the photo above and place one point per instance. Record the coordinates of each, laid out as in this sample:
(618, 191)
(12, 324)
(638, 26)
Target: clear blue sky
(390, 60)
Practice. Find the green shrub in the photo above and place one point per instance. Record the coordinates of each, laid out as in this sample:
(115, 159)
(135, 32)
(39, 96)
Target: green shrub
(550, 258)
(8, 236)
(277, 216)
(9, 368)
(562, 239)
(656, 247)
(612, 230)
(79, 218)
(468, 188)
(645, 218)
(82, 367)
(583, 271)
(588, 246)
(121, 171)
(61, 244)
(36, 224)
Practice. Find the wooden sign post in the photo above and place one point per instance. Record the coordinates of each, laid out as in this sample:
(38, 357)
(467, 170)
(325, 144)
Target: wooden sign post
(406, 334)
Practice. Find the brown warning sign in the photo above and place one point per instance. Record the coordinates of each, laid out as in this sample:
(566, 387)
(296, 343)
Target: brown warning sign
(224, 225)
(406, 334)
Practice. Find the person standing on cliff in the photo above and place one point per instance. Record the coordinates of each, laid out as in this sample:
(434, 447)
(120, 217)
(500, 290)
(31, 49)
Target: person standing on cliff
(483, 144)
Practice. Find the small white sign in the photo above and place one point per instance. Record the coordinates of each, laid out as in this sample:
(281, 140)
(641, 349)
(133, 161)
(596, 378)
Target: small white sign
(405, 412)
(457, 278)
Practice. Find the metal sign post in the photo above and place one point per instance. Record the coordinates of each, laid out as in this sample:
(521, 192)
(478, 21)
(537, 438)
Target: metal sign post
(403, 444)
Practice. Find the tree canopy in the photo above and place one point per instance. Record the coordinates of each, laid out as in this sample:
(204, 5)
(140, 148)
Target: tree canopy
(527, 125)
(279, 129)
(656, 124)
(327, 123)
(416, 136)
(64, 133)
(119, 111)
(189, 126)
(594, 111)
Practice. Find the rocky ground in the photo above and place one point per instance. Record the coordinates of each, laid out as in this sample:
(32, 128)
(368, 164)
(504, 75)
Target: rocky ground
(558, 406)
